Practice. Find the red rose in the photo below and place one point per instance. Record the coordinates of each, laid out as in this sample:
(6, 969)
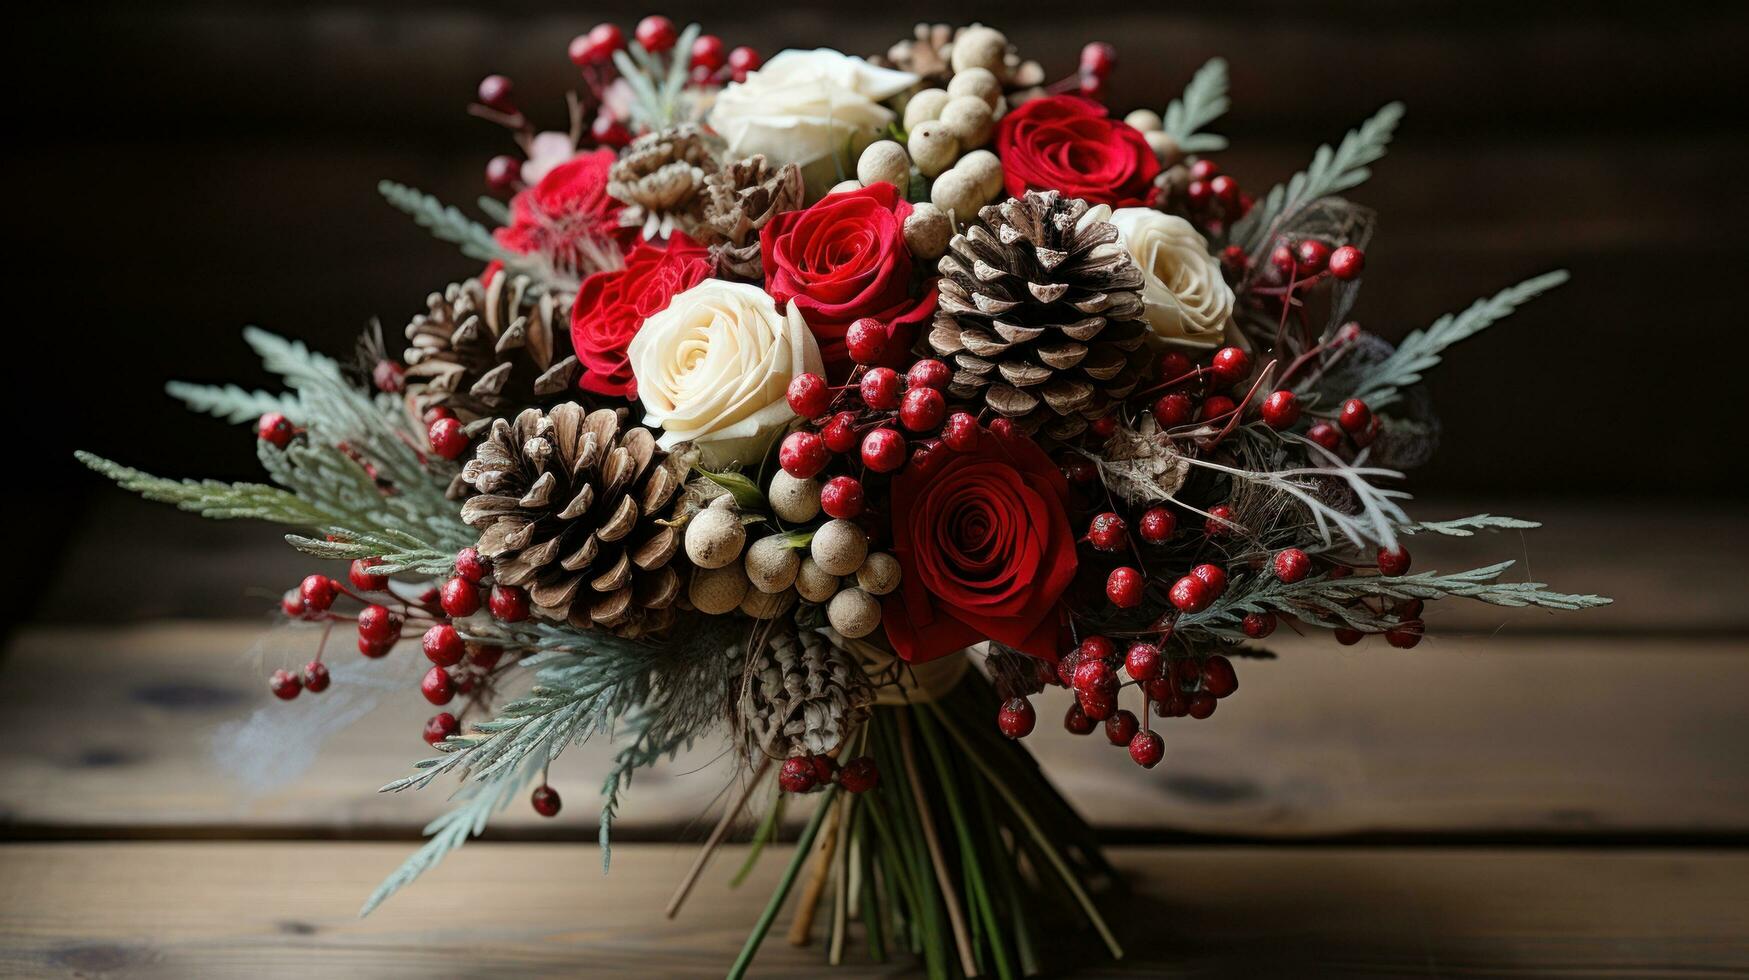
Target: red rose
(843, 259)
(568, 216)
(611, 306)
(1067, 143)
(985, 548)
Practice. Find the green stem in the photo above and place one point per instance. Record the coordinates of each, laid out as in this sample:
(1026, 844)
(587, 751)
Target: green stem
(1010, 884)
(767, 831)
(1032, 828)
(974, 874)
(908, 823)
(804, 845)
(871, 901)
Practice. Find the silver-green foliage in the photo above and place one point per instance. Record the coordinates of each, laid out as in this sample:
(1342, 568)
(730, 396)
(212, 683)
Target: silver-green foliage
(1204, 100)
(1332, 171)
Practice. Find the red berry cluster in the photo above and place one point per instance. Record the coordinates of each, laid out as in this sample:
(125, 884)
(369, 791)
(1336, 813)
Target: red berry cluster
(1213, 201)
(806, 773)
(1355, 425)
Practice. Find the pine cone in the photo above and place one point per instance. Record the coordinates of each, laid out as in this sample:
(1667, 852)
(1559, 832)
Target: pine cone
(483, 350)
(571, 507)
(803, 696)
(1040, 314)
(661, 179)
(740, 199)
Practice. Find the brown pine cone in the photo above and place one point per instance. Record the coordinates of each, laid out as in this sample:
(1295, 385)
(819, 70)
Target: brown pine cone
(802, 696)
(572, 507)
(482, 350)
(740, 199)
(661, 179)
(1041, 314)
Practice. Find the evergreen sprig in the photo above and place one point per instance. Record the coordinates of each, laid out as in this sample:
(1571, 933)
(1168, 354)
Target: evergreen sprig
(659, 93)
(213, 498)
(1332, 171)
(1466, 527)
(446, 222)
(1421, 350)
(1204, 100)
(235, 404)
(1336, 601)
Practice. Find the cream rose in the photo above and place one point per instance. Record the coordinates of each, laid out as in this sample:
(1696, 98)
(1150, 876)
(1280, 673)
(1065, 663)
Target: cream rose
(714, 366)
(803, 107)
(1186, 296)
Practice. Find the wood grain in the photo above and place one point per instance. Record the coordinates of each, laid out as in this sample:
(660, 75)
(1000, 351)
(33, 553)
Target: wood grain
(287, 909)
(112, 731)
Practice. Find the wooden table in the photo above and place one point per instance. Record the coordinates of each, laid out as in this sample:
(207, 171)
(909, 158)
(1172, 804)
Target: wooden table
(1523, 794)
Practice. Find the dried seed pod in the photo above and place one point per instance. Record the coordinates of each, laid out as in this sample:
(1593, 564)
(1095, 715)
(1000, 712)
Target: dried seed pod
(1146, 120)
(714, 536)
(879, 574)
(933, 147)
(792, 498)
(958, 193)
(927, 231)
(772, 564)
(839, 547)
(854, 613)
(813, 583)
(924, 106)
(715, 591)
(980, 82)
(983, 165)
(767, 605)
(969, 119)
(980, 47)
(884, 160)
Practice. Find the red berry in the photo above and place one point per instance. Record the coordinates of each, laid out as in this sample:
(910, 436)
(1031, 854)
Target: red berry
(1106, 532)
(1230, 365)
(1121, 727)
(1410, 609)
(1218, 676)
(961, 432)
(377, 624)
(1220, 521)
(842, 497)
(1017, 718)
(1355, 416)
(1235, 259)
(929, 373)
(708, 52)
(362, 579)
(292, 604)
(1292, 565)
(880, 389)
(1103, 427)
(607, 131)
(276, 429)
(1259, 625)
(1175, 364)
(1157, 525)
(447, 439)
(443, 645)
(1190, 594)
(1002, 428)
(388, 376)
(485, 656)
(825, 770)
(434, 413)
(604, 40)
(509, 604)
(316, 677)
(809, 396)
(797, 775)
(1283, 259)
(922, 409)
(1198, 193)
(1066, 665)
(437, 686)
(1147, 749)
(1281, 410)
(1142, 662)
(866, 340)
(1204, 169)
(1094, 676)
(1405, 635)
(883, 450)
(469, 565)
(859, 775)
(460, 598)
(840, 433)
(1348, 637)
(1313, 254)
(803, 454)
(1173, 409)
(1200, 705)
(376, 648)
(495, 92)
(1187, 673)
(1325, 434)
(742, 61)
(1217, 407)
(656, 33)
(1171, 704)
(440, 726)
(318, 592)
(502, 172)
(545, 800)
(1347, 263)
(1098, 58)
(1124, 587)
(1078, 468)
(1213, 576)
(1098, 705)
(1076, 722)
(284, 684)
(1092, 86)
(1225, 188)
(1394, 561)
(1097, 648)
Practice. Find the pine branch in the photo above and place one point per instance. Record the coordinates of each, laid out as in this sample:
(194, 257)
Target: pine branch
(1335, 601)
(341, 545)
(1421, 350)
(1204, 100)
(1379, 518)
(446, 223)
(1466, 527)
(212, 498)
(234, 404)
(1331, 172)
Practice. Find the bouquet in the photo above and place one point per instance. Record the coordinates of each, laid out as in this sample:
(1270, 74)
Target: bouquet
(833, 407)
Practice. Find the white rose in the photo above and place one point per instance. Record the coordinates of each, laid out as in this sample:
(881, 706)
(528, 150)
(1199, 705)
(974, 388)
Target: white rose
(804, 107)
(1186, 296)
(714, 367)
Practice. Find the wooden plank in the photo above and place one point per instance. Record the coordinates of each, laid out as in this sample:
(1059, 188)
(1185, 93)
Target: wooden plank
(112, 731)
(287, 909)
